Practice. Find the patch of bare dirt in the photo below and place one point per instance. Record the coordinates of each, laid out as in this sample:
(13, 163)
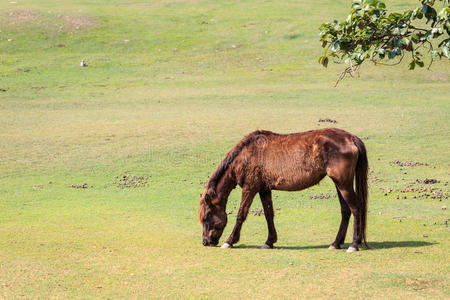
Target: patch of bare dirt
(373, 178)
(257, 212)
(409, 163)
(427, 181)
(80, 186)
(130, 181)
(20, 16)
(21, 19)
(320, 196)
(327, 120)
(38, 187)
(161, 3)
(439, 76)
(418, 283)
(146, 4)
(72, 23)
(422, 189)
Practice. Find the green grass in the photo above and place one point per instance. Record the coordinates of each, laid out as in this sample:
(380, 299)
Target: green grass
(167, 105)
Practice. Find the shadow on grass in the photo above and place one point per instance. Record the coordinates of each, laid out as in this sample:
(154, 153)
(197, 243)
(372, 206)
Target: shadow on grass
(372, 245)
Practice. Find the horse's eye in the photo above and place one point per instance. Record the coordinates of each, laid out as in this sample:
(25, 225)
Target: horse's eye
(206, 217)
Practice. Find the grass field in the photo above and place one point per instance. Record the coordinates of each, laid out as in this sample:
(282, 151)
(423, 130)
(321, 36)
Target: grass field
(170, 86)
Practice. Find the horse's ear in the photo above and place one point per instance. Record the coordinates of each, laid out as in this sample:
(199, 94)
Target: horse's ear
(201, 196)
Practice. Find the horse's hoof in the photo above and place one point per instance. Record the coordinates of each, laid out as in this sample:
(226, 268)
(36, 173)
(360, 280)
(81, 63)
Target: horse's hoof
(225, 246)
(333, 247)
(265, 246)
(352, 249)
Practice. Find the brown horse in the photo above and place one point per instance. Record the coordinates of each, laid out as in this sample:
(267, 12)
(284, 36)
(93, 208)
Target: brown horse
(264, 161)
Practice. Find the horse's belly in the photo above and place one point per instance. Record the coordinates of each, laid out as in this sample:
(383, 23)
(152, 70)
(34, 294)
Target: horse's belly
(296, 182)
(293, 169)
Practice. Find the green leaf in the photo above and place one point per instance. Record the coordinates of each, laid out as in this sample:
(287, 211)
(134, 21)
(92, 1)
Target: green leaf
(391, 54)
(320, 59)
(415, 38)
(420, 63)
(395, 31)
(424, 9)
(412, 65)
(404, 42)
(335, 46)
(430, 13)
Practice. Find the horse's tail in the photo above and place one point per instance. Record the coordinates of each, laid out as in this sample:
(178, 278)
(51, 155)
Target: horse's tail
(361, 186)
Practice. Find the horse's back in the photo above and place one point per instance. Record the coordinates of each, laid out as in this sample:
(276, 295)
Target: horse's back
(296, 161)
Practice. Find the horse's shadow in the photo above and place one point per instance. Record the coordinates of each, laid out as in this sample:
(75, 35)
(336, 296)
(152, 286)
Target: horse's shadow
(372, 245)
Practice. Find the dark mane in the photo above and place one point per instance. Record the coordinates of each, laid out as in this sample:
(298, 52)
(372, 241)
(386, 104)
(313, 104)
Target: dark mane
(229, 158)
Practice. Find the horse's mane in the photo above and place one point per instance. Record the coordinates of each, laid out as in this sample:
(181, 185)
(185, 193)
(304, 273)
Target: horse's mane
(230, 157)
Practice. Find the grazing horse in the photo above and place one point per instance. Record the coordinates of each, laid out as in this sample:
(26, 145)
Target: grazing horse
(264, 161)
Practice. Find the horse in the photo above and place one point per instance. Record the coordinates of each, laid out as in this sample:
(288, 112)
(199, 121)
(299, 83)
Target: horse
(264, 161)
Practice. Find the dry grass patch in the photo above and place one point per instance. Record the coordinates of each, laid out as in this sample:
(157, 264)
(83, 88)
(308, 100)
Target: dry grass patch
(17, 17)
(22, 19)
(418, 283)
(166, 3)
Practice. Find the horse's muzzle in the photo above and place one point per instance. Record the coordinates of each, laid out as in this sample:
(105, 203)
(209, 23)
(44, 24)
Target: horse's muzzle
(210, 243)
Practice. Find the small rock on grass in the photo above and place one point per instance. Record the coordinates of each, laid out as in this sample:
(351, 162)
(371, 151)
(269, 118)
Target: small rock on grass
(326, 120)
(80, 186)
(427, 181)
(257, 212)
(408, 163)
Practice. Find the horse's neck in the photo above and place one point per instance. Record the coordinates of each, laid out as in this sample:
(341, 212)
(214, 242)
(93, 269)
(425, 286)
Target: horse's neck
(224, 187)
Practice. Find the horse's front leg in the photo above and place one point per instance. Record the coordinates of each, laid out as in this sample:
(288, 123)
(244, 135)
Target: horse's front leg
(247, 198)
(266, 200)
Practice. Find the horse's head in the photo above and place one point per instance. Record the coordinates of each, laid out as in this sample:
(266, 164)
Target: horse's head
(213, 217)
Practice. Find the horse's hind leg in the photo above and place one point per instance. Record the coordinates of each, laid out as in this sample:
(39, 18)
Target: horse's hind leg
(351, 199)
(345, 216)
(266, 200)
(246, 201)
